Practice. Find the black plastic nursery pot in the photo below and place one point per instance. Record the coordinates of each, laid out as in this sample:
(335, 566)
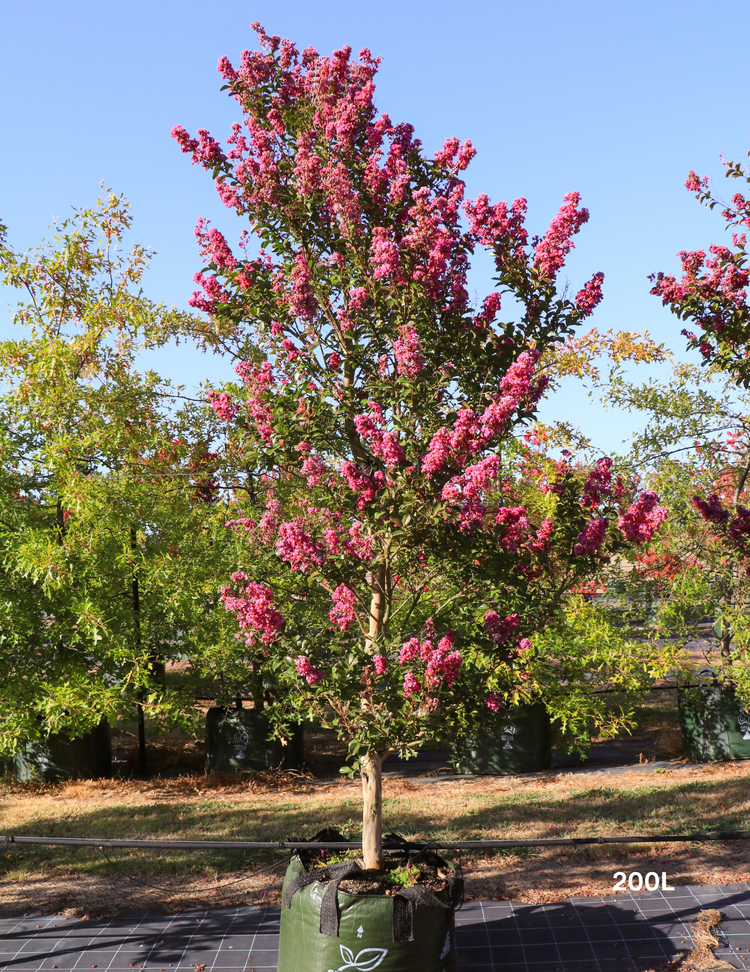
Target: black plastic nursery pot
(520, 742)
(237, 742)
(715, 725)
(325, 929)
(58, 757)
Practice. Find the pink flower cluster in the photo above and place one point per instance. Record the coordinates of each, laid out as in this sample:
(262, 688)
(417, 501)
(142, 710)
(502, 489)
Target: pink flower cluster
(254, 609)
(500, 630)
(366, 487)
(223, 405)
(306, 670)
(442, 663)
(384, 445)
(344, 608)
(590, 295)
(591, 538)
(643, 518)
(711, 509)
(295, 546)
(314, 469)
(384, 256)
(498, 226)
(740, 526)
(411, 685)
(380, 664)
(494, 702)
(598, 484)
(550, 252)
(515, 526)
(455, 156)
(471, 432)
(408, 351)
(215, 294)
(258, 380)
(301, 298)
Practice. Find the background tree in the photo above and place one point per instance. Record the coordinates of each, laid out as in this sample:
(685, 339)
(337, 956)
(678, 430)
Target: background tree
(112, 525)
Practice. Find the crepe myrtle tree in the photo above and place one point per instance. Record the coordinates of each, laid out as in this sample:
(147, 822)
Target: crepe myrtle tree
(712, 291)
(712, 294)
(390, 580)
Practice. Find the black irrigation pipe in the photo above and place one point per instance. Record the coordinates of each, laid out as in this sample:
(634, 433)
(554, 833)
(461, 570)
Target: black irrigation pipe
(284, 845)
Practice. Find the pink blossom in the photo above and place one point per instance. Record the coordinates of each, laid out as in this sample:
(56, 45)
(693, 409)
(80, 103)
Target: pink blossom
(474, 480)
(598, 484)
(222, 404)
(497, 629)
(409, 651)
(344, 608)
(297, 548)
(589, 297)
(254, 610)
(497, 226)
(516, 382)
(438, 453)
(494, 702)
(305, 670)
(333, 539)
(384, 255)
(411, 685)
(643, 518)
(359, 544)
(357, 298)
(359, 483)
(542, 538)
(695, 183)
(381, 664)
(220, 251)
(515, 525)
(550, 252)
(301, 300)
(591, 538)
(334, 361)
(384, 445)
(523, 645)
(408, 351)
(711, 509)
(314, 469)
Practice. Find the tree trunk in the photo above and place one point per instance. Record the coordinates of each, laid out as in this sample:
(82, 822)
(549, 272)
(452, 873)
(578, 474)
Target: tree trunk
(142, 763)
(372, 811)
(726, 652)
(377, 606)
(136, 601)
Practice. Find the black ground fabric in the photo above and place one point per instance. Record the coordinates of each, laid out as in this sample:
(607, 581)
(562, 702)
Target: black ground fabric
(619, 933)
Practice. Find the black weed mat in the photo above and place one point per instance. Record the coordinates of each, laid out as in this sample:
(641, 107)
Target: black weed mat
(623, 933)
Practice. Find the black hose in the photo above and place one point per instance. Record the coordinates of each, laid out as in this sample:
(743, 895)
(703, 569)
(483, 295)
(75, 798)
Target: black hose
(285, 845)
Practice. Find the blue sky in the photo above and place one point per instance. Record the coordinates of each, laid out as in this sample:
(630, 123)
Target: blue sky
(616, 100)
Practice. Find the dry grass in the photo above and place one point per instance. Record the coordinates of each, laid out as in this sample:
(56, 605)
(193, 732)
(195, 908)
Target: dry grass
(276, 807)
(701, 958)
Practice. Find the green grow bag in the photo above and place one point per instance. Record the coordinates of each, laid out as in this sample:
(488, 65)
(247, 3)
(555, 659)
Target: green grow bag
(521, 742)
(237, 742)
(715, 725)
(365, 940)
(58, 757)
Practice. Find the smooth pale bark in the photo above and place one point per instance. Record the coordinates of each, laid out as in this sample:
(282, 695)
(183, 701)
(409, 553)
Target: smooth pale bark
(377, 606)
(372, 811)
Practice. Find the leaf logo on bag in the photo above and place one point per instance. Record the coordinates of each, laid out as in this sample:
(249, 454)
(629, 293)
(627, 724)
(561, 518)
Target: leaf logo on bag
(365, 961)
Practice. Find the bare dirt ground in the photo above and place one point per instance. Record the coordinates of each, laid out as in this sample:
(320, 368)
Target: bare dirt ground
(682, 799)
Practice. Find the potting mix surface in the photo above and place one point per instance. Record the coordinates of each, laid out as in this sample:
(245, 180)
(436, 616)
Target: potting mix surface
(624, 932)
